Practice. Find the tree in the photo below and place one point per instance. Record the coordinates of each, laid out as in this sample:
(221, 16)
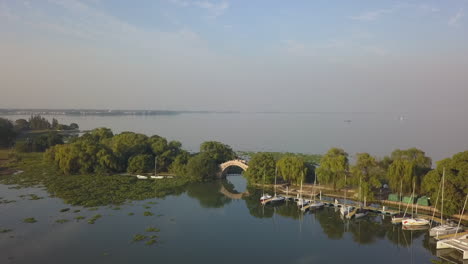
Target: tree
(408, 166)
(292, 169)
(179, 166)
(55, 123)
(7, 133)
(74, 126)
(202, 167)
(37, 122)
(261, 165)
(21, 125)
(365, 174)
(140, 163)
(333, 167)
(219, 152)
(455, 185)
(128, 144)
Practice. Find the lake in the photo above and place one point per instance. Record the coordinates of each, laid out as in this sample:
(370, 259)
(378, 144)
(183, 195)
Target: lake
(200, 225)
(440, 135)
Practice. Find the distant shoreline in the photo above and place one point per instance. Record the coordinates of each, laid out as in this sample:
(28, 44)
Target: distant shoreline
(101, 112)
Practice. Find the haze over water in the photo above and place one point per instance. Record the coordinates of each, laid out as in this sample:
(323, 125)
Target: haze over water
(439, 135)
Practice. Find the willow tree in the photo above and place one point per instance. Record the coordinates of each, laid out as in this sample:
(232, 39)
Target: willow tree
(455, 185)
(401, 172)
(333, 167)
(408, 167)
(365, 174)
(292, 169)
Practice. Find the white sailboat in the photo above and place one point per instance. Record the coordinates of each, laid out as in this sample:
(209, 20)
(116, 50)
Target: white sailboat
(345, 209)
(412, 222)
(315, 204)
(301, 202)
(443, 229)
(265, 196)
(398, 218)
(277, 198)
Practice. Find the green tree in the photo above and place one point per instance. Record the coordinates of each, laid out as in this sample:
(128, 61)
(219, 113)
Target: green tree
(261, 165)
(365, 174)
(408, 166)
(202, 167)
(7, 133)
(54, 124)
(74, 126)
(178, 167)
(140, 163)
(37, 122)
(333, 167)
(455, 184)
(219, 152)
(21, 125)
(292, 169)
(128, 144)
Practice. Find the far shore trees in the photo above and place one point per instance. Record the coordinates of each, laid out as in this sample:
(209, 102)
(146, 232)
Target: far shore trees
(7, 133)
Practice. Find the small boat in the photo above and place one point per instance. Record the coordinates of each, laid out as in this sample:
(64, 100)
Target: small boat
(398, 218)
(277, 199)
(264, 197)
(345, 209)
(444, 229)
(141, 177)
(421, 227)
(360, 213)
(415, 222)
(157, 177)
(302, 202)
(316, 205)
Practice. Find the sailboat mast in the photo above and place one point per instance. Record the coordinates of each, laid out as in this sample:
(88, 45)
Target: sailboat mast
(401, 190)
(442, 206)
(155, 163)
(276, 171)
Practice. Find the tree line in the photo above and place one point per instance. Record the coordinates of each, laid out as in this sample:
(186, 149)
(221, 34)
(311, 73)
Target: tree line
(403, 169)
(9, 131)
(101, 152)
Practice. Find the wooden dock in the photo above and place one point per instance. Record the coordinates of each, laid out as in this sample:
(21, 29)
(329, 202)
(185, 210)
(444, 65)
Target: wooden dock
(459, 243)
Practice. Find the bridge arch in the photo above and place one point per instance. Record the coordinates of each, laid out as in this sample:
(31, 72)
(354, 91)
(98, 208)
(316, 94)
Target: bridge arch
(238, 163)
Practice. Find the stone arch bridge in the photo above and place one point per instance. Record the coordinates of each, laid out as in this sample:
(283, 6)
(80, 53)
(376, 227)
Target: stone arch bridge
(238, 163)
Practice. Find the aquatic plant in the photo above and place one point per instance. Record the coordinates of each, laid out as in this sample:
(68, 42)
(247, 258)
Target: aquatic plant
(152, 229)
(78, 218)
(61, 221)
(64, 210)
(30, 220)
(150, 242)
(139, 237)
(116, 208)
(34, 197)
(147, 213)
(131, 213)
(94, 218)
(93, 209)
(5, 230)
(147, 207)
(77, 211)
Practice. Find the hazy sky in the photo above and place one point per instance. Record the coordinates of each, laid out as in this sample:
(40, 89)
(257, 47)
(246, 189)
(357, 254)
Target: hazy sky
(275, 55)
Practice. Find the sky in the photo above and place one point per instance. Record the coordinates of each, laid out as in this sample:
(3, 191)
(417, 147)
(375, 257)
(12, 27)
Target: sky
(235, 55)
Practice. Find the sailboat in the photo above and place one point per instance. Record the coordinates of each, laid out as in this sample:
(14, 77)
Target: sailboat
(301, 202)
(315, 204)
(277, 198)
(414, 221)
(361, 212)
(398, 218)
(345, 209)
(443, 229)
(265, 196)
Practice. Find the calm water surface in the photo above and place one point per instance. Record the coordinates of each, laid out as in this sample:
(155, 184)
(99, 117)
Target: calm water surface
(440, 135)
(201, 225)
